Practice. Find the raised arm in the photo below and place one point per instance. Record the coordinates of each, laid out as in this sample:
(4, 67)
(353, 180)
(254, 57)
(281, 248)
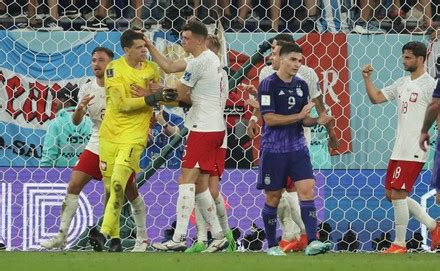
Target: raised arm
(167, 65)
(375, 95)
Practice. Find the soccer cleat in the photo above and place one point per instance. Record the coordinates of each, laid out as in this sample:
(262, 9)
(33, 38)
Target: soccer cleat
(140, 246)
(115, 245)
(170, 245)
(2, 246)
(197, 247)
(232, 247)
(276, 251)
(395, 249)
(317, 247)
(96, 240)
(217, 245)
(289, 246)
(302, 243)
(56, 242)
(435, 237)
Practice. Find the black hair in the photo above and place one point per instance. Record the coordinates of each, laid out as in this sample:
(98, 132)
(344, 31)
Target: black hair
(417, 48)
(129, 36)
(106, 50)
(197, 28)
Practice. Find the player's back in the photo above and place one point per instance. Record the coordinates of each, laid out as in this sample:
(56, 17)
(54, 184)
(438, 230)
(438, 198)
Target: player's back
(126, 127)
(204, 73)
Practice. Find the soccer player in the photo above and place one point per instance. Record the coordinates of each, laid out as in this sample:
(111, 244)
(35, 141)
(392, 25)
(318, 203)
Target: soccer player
(213, 44)
(285, 107)
(432, 113)
(92, 102)
(413, 94)
(202, 80)
(294, 235)
(123, 132)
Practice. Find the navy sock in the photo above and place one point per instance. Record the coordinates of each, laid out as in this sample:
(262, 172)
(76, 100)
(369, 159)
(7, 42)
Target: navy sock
(308, 215)
(269, 215)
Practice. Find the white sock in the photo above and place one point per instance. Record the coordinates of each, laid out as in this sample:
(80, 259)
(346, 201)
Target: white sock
(70, 205)
(401, 218)
(209, 212)
(184, 207)
(221, 213)
(416, 210)
(286, 222)
(292, 199)
(202, 230)
(140, 216)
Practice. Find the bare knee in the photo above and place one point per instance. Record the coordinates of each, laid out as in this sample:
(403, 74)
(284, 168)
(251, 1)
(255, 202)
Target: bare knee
(131, 191)
(214, 186)
(77, 182)
(388, 195)
(273, 198)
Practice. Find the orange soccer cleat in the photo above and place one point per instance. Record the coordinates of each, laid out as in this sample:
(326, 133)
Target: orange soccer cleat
(302, 243)
(435, 237)
(395, 249)
(285, 245)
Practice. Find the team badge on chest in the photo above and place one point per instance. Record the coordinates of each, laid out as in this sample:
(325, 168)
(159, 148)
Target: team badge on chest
(299, 91)
(413, 97)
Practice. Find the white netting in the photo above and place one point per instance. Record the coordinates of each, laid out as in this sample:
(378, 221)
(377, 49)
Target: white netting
(36, 64)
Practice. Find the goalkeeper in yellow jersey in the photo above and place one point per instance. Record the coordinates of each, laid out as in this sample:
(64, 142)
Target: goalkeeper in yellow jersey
(123, 132)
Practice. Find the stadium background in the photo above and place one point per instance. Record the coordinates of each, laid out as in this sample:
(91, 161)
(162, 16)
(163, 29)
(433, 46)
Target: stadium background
(350, 191)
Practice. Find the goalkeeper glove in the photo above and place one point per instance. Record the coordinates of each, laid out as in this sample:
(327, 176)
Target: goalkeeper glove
(165, 95)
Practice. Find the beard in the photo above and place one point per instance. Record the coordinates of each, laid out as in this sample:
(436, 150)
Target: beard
(411, 69)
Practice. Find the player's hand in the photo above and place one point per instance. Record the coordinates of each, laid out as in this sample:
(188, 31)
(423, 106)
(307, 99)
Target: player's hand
(251, 89)
(148, 42)
(253, 130)
(138, 91)
(333, 141)
(367, 70)
(252, 102)
(424, 141)
(155, 86)
(306, 110)
(85, 102)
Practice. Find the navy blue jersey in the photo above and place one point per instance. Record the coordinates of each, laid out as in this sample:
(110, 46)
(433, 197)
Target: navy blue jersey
(279, 97)
(436, 93)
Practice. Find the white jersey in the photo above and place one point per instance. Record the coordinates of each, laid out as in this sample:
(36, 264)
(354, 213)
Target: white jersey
(307, 74)
(413, 97)
(95, 111)
(224, 98)
(204, 75)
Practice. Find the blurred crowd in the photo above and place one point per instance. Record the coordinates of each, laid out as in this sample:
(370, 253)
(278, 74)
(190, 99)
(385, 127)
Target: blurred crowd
(361, 16)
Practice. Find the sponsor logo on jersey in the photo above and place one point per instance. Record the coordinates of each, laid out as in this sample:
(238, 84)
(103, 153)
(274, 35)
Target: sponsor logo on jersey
(281, 93)
(413, 97)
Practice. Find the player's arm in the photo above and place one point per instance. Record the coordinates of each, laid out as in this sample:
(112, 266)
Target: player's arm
(375, 95)
(432, 111)
(81, 109)
(272, 119)
(167, 65)
(50, 146)
(322, 112)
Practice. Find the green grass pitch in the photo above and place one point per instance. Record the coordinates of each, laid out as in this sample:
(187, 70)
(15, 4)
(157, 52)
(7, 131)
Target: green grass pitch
(66, 261)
